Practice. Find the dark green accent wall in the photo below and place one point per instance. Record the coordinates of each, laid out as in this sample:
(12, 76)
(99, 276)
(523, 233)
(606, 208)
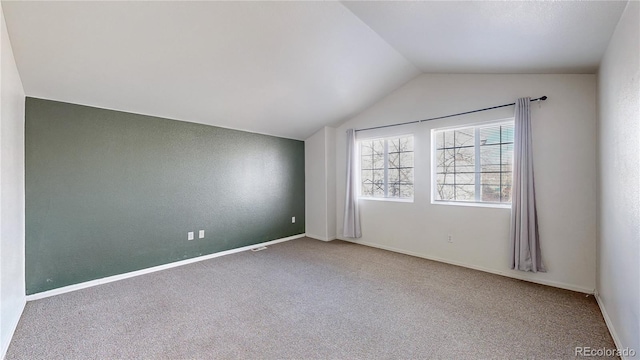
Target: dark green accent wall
(110, 192)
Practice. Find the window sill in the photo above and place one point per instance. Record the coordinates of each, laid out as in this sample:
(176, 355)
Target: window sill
(472, 204)
(386, 199)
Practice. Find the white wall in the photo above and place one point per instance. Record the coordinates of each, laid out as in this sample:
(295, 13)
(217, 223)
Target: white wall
(319, 160)
(315, 186)
(618, 273)
(564, 134)
(330, 144)
(12, 282)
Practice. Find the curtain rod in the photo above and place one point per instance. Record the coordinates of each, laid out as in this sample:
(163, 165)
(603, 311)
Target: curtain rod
(542, 98)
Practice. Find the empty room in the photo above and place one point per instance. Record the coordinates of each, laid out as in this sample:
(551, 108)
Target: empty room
(320, 179)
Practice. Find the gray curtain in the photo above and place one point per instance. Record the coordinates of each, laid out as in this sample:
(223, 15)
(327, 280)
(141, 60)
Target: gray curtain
(351, 209)
(525, 241)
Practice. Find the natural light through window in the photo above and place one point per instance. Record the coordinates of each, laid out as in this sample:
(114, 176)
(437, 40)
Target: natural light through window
(473, 164)
(386, 168)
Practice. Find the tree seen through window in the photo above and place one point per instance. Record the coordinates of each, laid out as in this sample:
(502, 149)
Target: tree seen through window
(386, 167)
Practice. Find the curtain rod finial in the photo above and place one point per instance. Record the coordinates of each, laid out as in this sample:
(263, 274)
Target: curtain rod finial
(543, 98)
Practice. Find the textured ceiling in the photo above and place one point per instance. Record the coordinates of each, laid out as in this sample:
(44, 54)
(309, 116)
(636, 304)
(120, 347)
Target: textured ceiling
(285, 68)
(495, 36)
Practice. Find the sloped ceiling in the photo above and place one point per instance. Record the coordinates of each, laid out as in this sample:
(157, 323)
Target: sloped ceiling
(285, 68)
(495, 36)
(278, 68)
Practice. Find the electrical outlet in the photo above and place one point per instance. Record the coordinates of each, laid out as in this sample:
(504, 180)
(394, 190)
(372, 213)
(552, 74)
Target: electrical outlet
(201, 234)
(450, 238)
(190, 235)
(293, 219)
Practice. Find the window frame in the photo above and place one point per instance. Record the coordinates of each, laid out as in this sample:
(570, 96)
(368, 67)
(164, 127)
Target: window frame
(434, 172)
(386, 168)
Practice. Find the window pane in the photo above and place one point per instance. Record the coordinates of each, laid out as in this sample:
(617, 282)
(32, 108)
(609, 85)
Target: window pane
(465, 137)
(378, 160)
(406, 159)
(399, 167)
(490, 178)
(465, 160)
(394, 175)
(448, 139)
(465, 192)
(444, 179)
(490, 167)
(445, 160)
(378, 145)
(506, 194)
(490, 193)
(507, 172)
(367, 189)
(465, 178)
(406, 175)
(406, 143)
(439, 135)
(507, 133)
(366, 178)
(490, 158)
(489, 135)
(394, 160)
(394, 189)
(439, 161)
(378, 154)
(394, 145)
(507, 154)
(378, 188)
(366, 147)
(406, 190)
(378, 175)
(366, 162)
(366, 175)
(444, 192)
(507, 181)
(455, 165)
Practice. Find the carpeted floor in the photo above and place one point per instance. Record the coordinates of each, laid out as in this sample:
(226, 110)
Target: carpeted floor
(306, 299)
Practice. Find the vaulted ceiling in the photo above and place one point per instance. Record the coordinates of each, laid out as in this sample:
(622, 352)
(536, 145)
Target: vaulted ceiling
(495, 36)
(286, 68)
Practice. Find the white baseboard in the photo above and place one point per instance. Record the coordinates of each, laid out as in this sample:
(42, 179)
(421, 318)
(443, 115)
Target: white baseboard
(480, 268)
(6, 341)
(87, 284)
(607, 320)
(323, 238)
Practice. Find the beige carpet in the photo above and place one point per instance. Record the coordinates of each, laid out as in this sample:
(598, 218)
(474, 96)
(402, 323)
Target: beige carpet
(306, 299)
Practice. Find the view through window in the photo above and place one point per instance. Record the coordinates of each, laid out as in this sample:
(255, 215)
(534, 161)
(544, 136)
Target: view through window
(474, 163)
(386, 168)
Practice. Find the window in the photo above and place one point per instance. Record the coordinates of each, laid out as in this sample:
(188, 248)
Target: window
(473, 164)
(386, 168)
